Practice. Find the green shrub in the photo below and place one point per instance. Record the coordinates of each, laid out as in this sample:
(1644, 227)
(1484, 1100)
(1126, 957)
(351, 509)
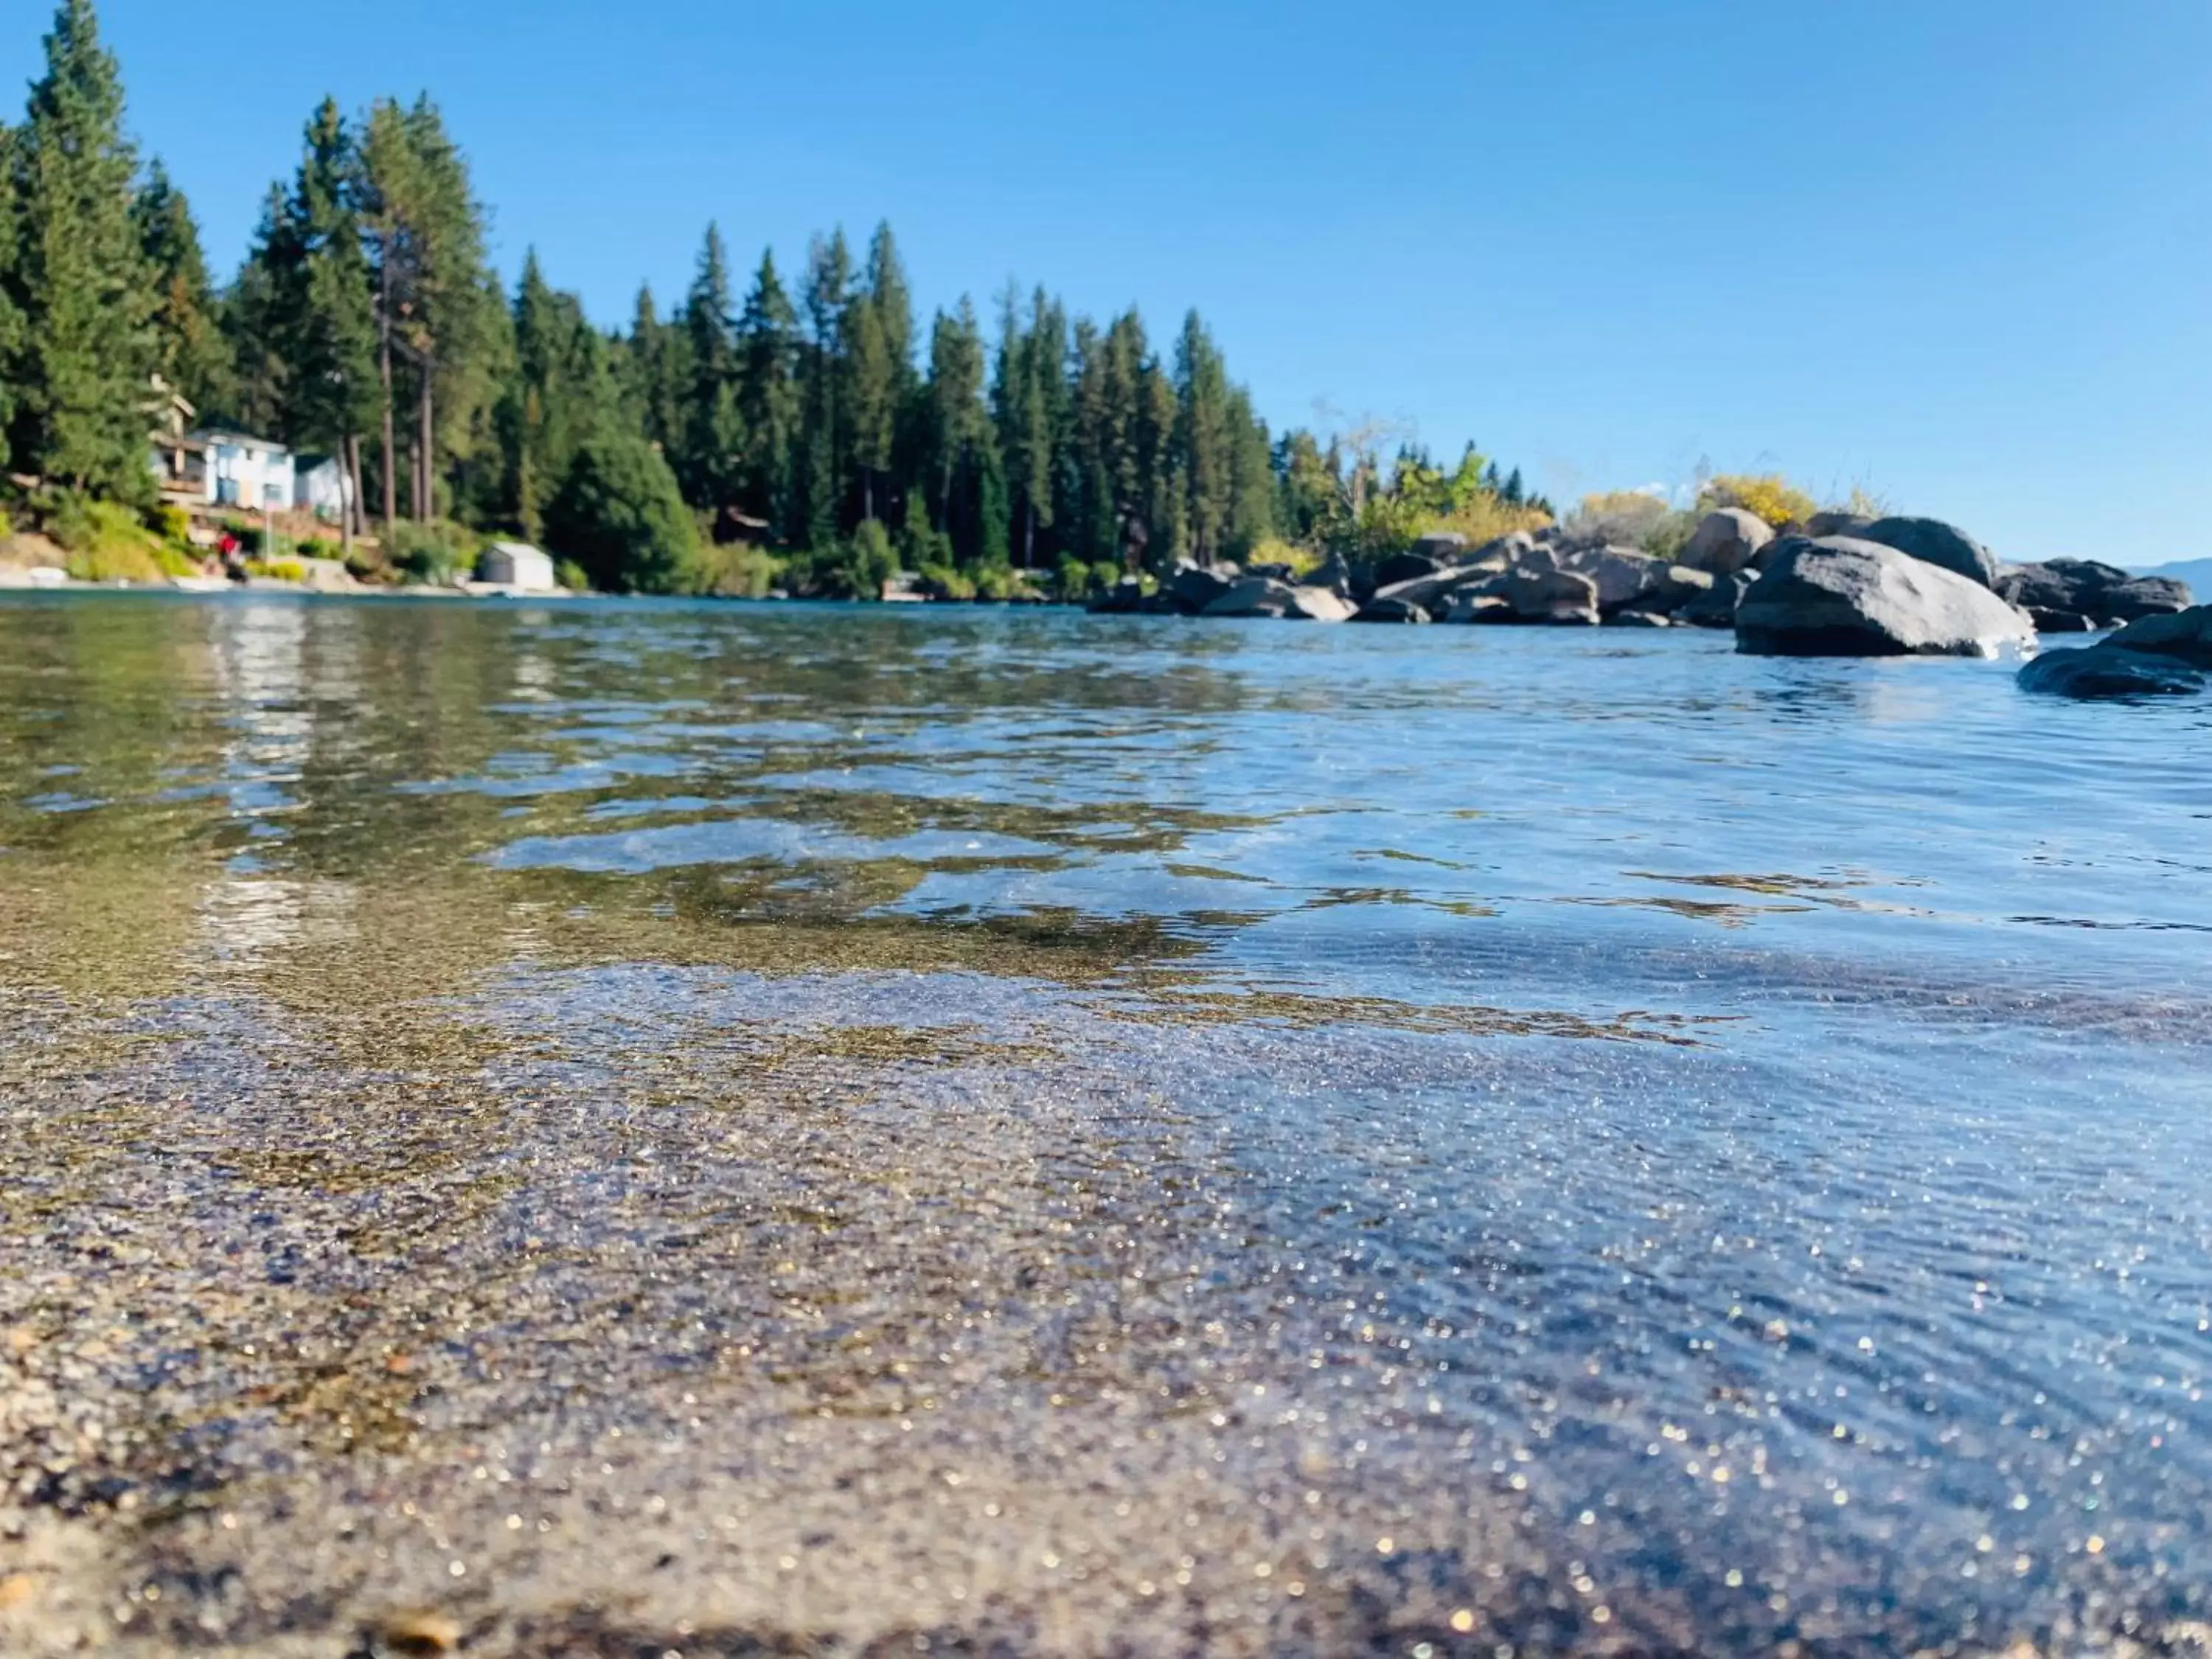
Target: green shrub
(733, 570)
(103, 541)
(863, 564)
(921, 546)
(171, 524)
(282, 570)
(1269, 550)
(570, 575)
(946, 582)
(998, 583)
(432, 552)
(315, 547)
(620, 515)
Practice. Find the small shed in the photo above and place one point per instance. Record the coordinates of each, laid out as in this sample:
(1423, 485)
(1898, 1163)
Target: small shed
(516, 564)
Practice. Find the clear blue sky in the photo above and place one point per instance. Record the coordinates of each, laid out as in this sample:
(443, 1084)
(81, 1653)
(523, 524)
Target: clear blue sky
(1961, 253)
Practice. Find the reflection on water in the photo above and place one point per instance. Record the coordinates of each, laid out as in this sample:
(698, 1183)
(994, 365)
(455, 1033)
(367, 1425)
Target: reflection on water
(1233, 1138)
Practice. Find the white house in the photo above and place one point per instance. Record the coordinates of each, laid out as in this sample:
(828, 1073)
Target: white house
(516, 564)
(319, 486)
(234, 471)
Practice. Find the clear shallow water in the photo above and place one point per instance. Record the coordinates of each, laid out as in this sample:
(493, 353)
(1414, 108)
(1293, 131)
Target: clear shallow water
(1494, 1126)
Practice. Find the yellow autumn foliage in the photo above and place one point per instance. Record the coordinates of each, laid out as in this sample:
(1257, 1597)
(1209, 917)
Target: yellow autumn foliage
(1769, 495)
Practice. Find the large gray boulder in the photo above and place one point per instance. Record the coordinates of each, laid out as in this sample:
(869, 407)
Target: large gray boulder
(1621, 575)
(1943, 545)
(1845, 598)
(1432, 592)
(1410, 565)
(1539, 593)
(1331, 573)
(2100, 670)
(1393, 611)
(1716, 607)
(1124, 596)
(1836, 522)
(1193, 588)
(1268, 595)
(2185, 635)
(2103, 593)
(1311, 604)
(1725, 542)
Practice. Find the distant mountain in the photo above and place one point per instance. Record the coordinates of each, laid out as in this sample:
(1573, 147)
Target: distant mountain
(2197, 573)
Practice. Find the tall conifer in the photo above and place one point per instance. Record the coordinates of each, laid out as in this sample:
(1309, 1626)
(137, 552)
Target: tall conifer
(88, 357)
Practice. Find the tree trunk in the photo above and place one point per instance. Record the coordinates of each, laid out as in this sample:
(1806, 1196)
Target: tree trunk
(426, 445)
(348, 494)
(383, 364)
(356, 507)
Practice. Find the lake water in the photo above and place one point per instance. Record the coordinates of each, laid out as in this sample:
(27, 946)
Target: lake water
(655, 1127)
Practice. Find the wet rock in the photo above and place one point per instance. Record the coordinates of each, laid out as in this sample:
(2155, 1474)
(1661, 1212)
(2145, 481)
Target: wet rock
(1716, 607)
(1638, 619)
(1537, 594)
(2185, 635)
(1620, 575)
(1842, 598)
(1125, 597)
(1392, 611)
(2059, 622)
(1397, 568)
(2100, 670)
(1266, 596)
(1473, 606)
(2144, 596)
(1445, 546)
(1943, 545)
(1726, 542)
(1194, 587)
(1625, 579)
(1313, 603)
(1432, 590)
(1331, 573)
(420, 1633)
(2084, 587)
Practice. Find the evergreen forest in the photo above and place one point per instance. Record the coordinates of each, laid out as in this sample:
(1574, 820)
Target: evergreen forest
(783, 423)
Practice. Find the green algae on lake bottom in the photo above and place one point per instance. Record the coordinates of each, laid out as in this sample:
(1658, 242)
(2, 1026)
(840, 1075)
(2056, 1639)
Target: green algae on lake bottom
(671, 1127)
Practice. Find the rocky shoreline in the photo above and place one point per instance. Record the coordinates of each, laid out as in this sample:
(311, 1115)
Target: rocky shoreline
(1840, 585)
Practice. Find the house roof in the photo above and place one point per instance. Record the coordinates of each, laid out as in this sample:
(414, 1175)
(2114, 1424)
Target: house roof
(216, 434)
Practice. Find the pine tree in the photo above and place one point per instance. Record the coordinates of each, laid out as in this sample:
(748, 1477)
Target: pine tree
(11, 315)
(711, 449)
(1026, 399)
(768, 403)
(85, 367)
(879, 344)
(560, 395)
(441, 322)
(653, 373)
(301, 316)
(1203, 439)
(1251, 477)
(257, 320)
(959, 456)
(189, 351)
(825, 441)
